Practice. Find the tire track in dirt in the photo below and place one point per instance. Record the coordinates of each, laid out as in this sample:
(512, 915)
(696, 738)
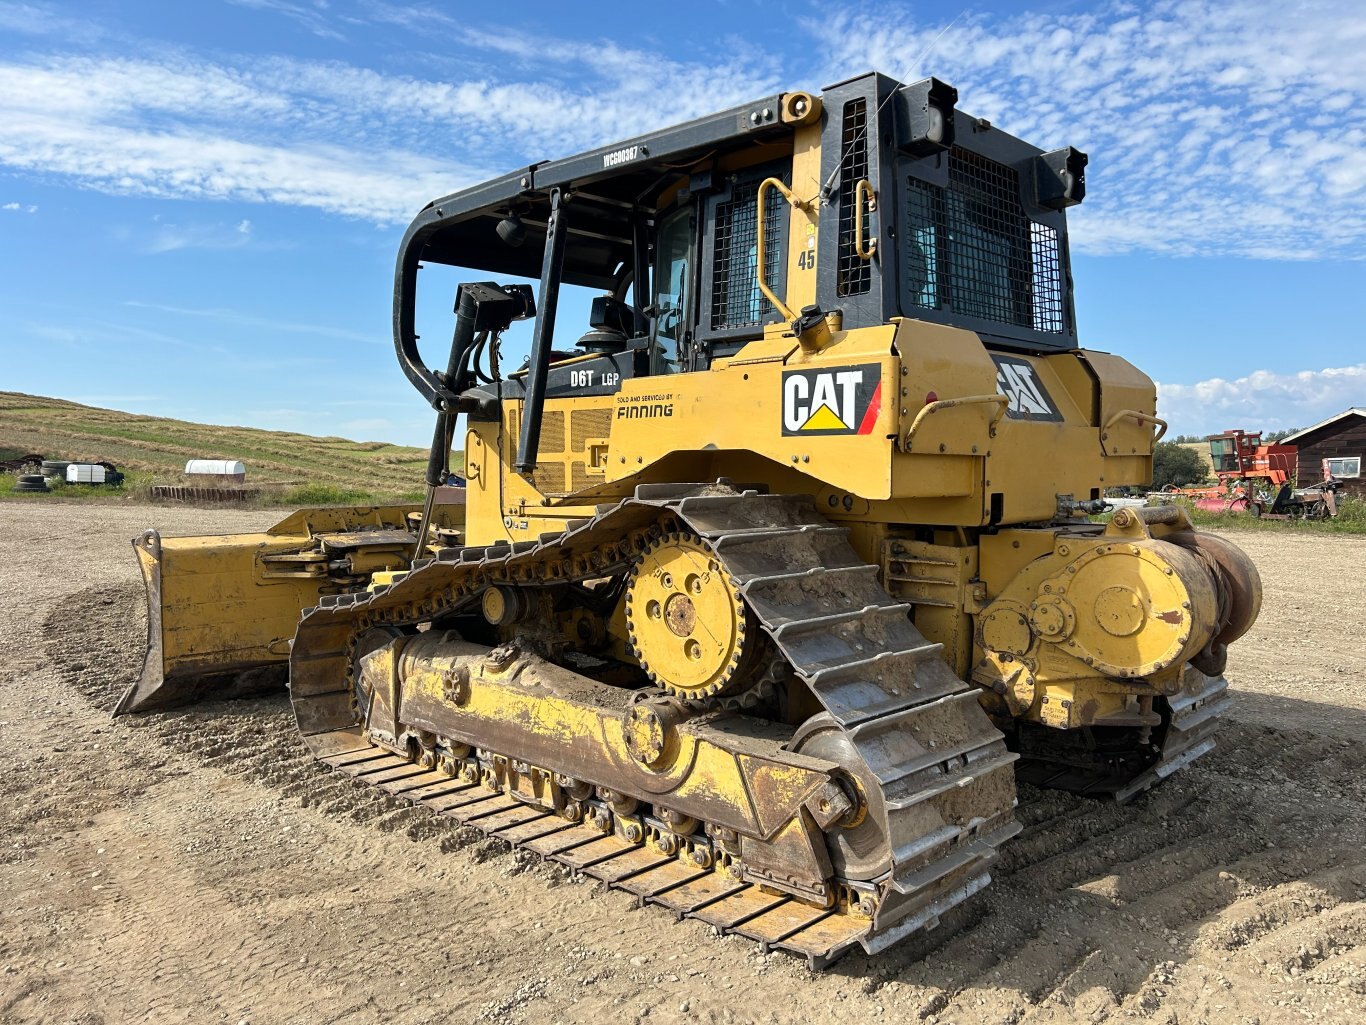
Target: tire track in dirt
(253, 738)
(1252, 860)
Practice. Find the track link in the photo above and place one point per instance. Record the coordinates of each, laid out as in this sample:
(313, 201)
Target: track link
(1192, 717)
(939, 779)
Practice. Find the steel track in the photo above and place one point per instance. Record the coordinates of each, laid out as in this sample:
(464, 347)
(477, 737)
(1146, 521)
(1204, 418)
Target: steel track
(1193, 720)
(944, 779)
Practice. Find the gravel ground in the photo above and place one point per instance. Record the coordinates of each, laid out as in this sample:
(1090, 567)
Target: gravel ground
(196, 866)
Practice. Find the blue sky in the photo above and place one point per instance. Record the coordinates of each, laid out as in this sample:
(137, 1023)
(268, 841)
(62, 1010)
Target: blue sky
(200, 202)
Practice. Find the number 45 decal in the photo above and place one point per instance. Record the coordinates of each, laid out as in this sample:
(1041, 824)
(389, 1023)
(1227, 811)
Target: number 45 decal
(806, 260)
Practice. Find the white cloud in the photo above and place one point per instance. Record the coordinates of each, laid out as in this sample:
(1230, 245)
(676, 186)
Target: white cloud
(1263, 400)
(195, 163)
(239, 319)
(333, 136)
(170, 238)
(1228, 128)
(36, 20)
(311, 16)
(1213, 127)
(27, 208)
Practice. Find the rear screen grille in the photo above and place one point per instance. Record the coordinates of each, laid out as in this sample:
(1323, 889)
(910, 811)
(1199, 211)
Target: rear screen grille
(736, 300)
(855, 274)
(972, 250)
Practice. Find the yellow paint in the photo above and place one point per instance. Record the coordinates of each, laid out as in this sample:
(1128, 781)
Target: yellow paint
(746, 784)
(804, 220)
(824, 419)
(1090, 618)
(685, 618)
(222, 606)
(943, 448)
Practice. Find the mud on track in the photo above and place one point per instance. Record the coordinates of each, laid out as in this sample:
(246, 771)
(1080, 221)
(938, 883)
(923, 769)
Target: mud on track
(197, 866)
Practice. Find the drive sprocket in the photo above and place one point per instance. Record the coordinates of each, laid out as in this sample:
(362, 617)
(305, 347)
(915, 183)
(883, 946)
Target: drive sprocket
(687, 621)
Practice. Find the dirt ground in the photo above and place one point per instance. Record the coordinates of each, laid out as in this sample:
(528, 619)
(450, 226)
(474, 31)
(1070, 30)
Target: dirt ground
(197, 867)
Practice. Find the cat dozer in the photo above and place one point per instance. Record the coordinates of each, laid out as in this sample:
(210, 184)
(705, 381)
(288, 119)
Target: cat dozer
(777, 569)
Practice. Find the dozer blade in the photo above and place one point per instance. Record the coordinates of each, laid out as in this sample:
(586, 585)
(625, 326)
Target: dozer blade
(222, 609)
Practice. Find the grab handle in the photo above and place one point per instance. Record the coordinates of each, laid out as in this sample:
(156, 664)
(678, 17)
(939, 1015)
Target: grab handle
(1141, 417)
(790, 196)
(967, 400)
(863, 192)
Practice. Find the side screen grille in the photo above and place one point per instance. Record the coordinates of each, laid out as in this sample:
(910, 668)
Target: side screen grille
(588, 423)
(1047, 279)
(855, 275)
(552, 433)
(735, 297)
(971, 249)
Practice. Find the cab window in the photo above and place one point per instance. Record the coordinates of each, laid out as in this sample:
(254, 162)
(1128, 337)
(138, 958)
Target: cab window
(673, 293)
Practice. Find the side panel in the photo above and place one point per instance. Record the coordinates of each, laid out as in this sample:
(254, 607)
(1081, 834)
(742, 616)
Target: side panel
(826, 415)
(503, 505)
(852, 424)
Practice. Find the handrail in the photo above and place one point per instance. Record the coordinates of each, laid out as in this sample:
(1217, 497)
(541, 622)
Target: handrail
(862, 189)
(790, 196)
(1141, 417)
(967, 400)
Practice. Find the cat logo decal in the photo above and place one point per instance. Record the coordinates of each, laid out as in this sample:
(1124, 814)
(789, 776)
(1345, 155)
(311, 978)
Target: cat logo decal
(832, 400)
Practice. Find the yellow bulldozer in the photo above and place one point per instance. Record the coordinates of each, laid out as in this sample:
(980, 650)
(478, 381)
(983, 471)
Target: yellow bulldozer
(769, 581)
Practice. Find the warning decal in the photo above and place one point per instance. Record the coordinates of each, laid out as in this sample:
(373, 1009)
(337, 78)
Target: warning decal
(832, 400)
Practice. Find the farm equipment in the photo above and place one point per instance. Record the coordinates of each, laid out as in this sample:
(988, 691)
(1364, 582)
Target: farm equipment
(1239, 456)
(32, 461)
(768, 586)
(1259, 479)
(1316, 502)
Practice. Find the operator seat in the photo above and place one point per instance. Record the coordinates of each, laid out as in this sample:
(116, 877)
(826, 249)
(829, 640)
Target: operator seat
(611, 323)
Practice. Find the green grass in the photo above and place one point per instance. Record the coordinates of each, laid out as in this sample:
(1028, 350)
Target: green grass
(1351, 519)
(304, 470)
(134, 488)
(334, 494)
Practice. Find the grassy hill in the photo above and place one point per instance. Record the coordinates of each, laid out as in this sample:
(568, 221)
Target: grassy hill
(153, 450)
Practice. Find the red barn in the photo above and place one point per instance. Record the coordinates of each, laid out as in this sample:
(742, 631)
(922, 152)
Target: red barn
(1341, 441)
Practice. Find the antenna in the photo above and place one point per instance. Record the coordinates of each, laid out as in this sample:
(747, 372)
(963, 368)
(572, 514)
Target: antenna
(829, 185)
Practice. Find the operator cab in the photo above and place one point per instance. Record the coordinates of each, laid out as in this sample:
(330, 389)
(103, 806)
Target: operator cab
(912, 210)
